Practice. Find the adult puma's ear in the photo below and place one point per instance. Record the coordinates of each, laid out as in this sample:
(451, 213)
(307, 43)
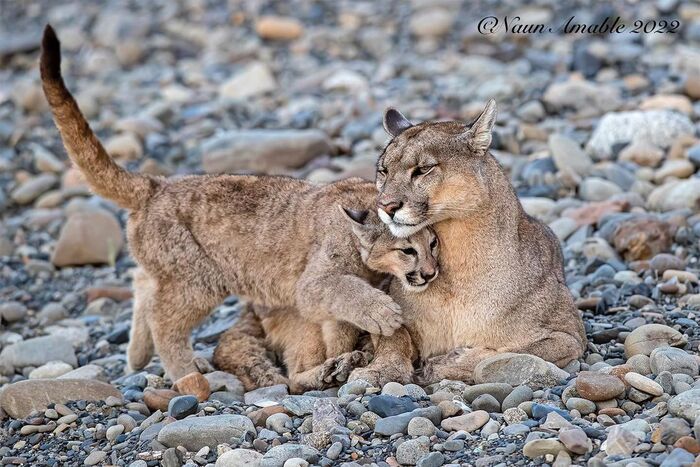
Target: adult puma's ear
(394, 122)
(479, 135)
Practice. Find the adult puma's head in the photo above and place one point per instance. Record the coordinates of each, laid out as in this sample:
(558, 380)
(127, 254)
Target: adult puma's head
(413, 260)
(432, 171)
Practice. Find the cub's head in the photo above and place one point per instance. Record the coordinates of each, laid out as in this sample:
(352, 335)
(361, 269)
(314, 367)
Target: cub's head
(432, 171)
(413, 259)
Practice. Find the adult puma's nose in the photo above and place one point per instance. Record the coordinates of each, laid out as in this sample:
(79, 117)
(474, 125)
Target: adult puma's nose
(390, 207)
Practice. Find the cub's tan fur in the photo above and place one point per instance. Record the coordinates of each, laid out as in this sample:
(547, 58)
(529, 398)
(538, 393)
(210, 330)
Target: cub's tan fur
(273, 240)
(300, 343)
(316, 354)
(501, 286)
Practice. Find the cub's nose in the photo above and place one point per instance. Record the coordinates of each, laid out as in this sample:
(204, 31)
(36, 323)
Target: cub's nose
(428, 275)
(391, 207)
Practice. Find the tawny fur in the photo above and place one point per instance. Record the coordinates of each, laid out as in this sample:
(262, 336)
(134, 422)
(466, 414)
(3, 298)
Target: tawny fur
(501, 287)
(299, 343)
(272, 240)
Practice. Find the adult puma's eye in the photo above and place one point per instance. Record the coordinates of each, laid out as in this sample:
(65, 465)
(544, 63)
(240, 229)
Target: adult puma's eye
(381, 171)
(434, 243)
(422, 170)
(409, 251)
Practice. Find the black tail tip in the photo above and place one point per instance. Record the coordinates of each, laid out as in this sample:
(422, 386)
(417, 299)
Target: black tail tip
(50, 54)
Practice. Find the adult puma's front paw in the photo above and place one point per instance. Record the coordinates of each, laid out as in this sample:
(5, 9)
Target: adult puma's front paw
(380, 315)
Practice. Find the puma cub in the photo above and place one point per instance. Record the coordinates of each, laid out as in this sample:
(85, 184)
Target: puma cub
(273, 240)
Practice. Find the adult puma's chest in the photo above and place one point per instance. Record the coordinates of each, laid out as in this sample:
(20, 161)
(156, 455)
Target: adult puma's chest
(448, 315)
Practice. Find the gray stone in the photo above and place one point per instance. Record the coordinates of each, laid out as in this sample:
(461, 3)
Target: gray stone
(196, 432)
(498, 390)
(511, 368)
(399, 423)
(32, 188)
(517, 396)
(239, 458)
(568, 155)
(486, 402)
(421, 426)
(409, 452)
(262, 150)
(674, 361)
(299, 405)
(95, 457)
(12, 311)
(266, 394)
(326, 415)
(277, 422)
(36, 352)
(278, 455)
(678, 457)
(23, 397)
(686, 405)
(434, 459)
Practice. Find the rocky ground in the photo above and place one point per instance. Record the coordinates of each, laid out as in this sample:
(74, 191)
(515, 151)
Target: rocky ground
(597, 132)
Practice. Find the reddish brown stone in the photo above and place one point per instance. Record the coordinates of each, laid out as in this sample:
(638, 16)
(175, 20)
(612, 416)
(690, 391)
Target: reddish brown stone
(642, 238)
(259, 417)
(118, 294)
(195, 384)
(158, 399)
(591, 213)
(588, 303)
(688, 443)
(612, 411)
(598, 386)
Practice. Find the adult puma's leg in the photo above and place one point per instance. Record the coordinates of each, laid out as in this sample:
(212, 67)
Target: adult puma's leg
(393, 360)
(241, 351)
(141, 347)
(557, 347)
(457, 365)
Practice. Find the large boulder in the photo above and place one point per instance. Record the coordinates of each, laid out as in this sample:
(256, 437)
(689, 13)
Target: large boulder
(24, 397)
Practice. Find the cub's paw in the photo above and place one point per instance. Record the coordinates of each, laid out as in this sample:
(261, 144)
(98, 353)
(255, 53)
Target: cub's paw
(271, 379)
(337, 370)
(380, 315)
(203, 366)
(379, 375)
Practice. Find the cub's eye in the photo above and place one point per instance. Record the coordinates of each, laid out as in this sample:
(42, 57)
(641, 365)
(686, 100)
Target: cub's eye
(423, 170)
(409, 251)
(381, 171)
(434, 243)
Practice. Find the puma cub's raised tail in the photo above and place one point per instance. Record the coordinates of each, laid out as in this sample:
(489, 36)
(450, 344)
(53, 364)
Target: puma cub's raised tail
(273, 240)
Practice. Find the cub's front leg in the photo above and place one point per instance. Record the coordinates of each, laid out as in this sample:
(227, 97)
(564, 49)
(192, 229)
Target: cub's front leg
(323, 295)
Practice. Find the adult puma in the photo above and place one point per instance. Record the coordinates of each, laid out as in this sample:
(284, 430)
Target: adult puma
(501, 287)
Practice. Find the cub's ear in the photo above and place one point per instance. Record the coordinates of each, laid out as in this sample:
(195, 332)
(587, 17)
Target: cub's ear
(394, 122)
(356, 217)
(479, 135)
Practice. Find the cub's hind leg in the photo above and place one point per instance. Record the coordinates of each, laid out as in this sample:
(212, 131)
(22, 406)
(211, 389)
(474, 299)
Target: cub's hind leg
(177, 309)
(340, 337)
(306, 360)
(141, 347)
(241, 351)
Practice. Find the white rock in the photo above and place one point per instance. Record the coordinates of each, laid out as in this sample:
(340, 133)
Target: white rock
(254, 80)
(50, 370)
